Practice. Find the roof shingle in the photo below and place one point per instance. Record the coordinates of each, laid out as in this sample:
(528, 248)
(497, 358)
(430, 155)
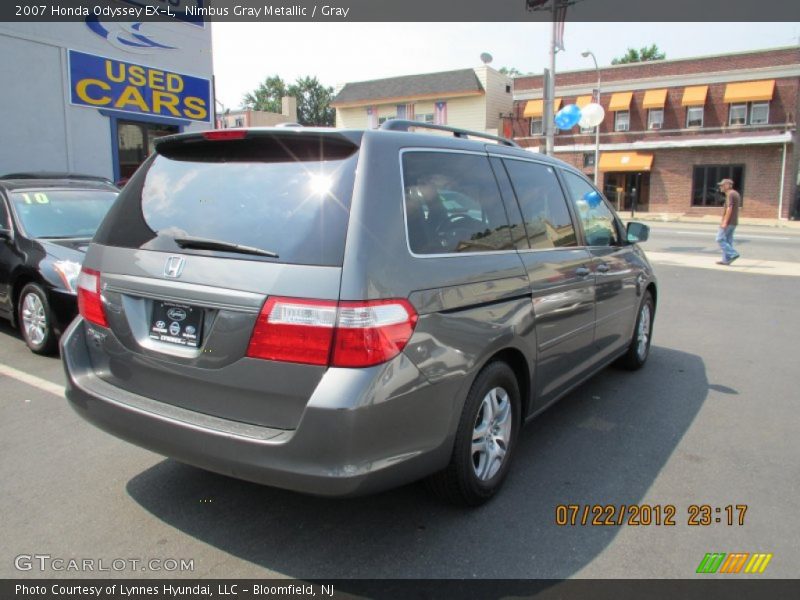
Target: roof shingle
(428, 84)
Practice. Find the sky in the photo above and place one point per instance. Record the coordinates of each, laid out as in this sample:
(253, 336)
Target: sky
(247, 53)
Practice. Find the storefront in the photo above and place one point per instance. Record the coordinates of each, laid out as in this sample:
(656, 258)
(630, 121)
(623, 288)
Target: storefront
(92, 97)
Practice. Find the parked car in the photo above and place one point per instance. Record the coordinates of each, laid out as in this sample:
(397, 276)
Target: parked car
(46, 223)
(339, 312)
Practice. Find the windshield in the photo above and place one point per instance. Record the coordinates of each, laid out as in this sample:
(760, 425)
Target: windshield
(61, 213)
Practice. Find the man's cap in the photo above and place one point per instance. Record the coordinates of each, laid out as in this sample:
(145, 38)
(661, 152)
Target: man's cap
(730, 181)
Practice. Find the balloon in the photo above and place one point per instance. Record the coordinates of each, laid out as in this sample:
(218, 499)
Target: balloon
(568, 116)
(592, 198)
(592, 115)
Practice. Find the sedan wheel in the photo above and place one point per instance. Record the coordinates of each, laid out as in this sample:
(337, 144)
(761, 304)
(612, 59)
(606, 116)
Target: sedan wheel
(35, 320)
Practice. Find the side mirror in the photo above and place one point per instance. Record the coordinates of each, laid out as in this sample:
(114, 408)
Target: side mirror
(638, 232)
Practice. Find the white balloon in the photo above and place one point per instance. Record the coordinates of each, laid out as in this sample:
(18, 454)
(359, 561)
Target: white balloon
(592, 115)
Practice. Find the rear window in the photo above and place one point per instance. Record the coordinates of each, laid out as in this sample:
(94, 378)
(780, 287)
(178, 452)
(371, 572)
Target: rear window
(287, 196)
(453, 204)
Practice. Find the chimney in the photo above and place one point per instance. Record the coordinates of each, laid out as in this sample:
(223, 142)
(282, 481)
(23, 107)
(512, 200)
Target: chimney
(289, 108)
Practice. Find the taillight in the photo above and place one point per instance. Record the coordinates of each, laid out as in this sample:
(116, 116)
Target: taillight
(90, 305)
(321, 332)
(225, 134)
(371, 332)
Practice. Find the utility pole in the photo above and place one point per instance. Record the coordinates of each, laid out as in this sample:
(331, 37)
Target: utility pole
(550, 86)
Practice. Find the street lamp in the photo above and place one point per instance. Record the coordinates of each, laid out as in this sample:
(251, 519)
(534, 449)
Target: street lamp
(586, 54)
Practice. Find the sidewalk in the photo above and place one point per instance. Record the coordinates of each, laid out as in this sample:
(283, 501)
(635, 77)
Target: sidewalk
(742, 265)
(706, 220)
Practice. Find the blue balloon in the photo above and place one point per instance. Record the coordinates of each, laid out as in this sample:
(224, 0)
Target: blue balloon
(568, 116)
(592, 198)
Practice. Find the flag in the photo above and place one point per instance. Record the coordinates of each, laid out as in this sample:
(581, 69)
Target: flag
(410, 112)
(559, 18)
(440, 113)
(372, 117)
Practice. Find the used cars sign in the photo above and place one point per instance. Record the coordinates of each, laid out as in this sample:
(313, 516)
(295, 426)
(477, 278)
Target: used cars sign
(117, 85)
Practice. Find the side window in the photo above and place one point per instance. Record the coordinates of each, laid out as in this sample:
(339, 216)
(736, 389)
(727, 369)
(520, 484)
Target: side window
(5, 222)
(544, 209)
(519, 237)
(453, 204)
(598, 221)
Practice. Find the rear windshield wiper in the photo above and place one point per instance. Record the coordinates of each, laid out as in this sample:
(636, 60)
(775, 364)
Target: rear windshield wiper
(208, 244)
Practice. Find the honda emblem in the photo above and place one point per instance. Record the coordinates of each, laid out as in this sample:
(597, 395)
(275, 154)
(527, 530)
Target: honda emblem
(174, 267)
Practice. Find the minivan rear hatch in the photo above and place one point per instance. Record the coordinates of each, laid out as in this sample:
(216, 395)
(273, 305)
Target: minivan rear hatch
(206, 231)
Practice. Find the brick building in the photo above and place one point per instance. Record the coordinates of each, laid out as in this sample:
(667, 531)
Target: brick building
(673, 128)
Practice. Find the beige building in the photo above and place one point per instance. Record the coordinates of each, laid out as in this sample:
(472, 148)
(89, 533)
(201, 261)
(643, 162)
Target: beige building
(467, 98)
(259, 118)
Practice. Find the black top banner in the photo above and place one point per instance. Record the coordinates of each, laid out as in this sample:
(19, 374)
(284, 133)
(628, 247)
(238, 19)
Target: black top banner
(203, 11)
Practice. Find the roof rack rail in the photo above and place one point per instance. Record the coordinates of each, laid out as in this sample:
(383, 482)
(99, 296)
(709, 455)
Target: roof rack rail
(405, 125)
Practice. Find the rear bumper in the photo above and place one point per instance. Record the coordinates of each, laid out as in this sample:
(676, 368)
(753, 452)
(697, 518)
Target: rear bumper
(363, 430)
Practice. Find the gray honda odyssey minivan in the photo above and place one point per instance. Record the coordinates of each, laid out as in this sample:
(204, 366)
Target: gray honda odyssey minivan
(338, 311)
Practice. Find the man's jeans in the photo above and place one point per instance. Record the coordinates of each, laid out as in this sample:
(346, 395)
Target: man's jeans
(725, 241)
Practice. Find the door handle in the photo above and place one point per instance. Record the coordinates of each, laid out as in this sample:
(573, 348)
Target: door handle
(603, 268)
(582, 272)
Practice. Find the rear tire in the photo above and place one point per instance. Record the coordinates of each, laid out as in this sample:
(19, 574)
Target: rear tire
(36, 320)
(639, 348)
(485, 440)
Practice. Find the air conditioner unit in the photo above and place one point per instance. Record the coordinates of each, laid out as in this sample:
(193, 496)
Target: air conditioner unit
(655, 125)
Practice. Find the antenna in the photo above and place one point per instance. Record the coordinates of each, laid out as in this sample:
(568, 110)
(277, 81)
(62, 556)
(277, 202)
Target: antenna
(486, 58)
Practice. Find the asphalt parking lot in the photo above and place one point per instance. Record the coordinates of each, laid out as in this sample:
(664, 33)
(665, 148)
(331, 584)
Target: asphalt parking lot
(712, 419)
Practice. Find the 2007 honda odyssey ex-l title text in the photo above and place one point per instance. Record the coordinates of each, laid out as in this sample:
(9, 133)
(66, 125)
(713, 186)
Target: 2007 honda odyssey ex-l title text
(338, 312)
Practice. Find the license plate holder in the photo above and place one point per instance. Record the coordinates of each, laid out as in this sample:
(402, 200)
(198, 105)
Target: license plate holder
(177, 324)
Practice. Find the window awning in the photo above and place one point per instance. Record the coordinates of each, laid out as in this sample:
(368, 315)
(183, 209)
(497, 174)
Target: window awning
(626, 161)
(620, 101)
(655, 99)
(583, 101)
(695, 96)
(751, 91)
(535, 108)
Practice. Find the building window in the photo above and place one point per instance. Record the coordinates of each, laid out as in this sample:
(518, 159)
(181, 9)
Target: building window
(759, 113)
(705, 179)
(239, 122)
(382, 120)
(694, 116)
(425, 118)
(536, 126)
(622, 120)
(738, 114)
(508, 89)
(655, 118)
(588, 159)
(587, 129)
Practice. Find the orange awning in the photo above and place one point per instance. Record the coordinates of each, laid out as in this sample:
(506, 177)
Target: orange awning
(695, 96)
(535, 108)
(625, 161)
(655, 99)
(583, 101)
(751, 91)
(620, 101)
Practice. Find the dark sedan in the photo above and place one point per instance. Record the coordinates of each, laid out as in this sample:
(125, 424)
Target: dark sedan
(46, 223)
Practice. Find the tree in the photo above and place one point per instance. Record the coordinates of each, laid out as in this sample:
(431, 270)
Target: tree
(313, 102)
(510, 71)
(313, 99)
(632, 55)
(267, 96)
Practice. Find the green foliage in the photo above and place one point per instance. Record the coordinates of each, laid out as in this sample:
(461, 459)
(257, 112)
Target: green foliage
(632, 55)
(313, 99)
(267, 96)
(313, 102)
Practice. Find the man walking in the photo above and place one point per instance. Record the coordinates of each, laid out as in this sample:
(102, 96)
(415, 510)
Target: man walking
(730, 219)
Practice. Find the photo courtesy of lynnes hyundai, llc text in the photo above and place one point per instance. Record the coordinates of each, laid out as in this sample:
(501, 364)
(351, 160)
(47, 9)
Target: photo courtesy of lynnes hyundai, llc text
(340, 311)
